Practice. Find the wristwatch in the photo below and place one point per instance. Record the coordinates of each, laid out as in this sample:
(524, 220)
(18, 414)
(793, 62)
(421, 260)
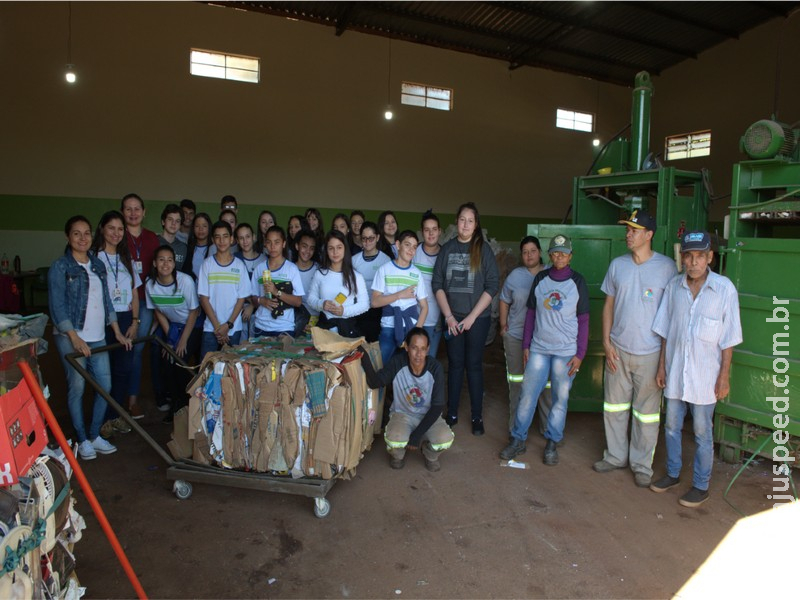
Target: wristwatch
(278, 294)
(229, 324)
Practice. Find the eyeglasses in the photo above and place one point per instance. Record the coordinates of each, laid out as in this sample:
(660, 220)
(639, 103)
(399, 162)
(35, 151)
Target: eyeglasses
(369, 239)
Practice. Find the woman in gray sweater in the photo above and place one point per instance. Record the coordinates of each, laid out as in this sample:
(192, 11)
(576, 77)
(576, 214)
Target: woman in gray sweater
(465, 279)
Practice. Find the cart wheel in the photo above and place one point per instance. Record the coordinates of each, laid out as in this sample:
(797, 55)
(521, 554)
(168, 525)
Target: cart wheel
(322, 508)
(182, 489)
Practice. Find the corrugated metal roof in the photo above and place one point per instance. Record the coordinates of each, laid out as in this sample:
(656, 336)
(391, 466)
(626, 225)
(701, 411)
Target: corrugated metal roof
(608, 41)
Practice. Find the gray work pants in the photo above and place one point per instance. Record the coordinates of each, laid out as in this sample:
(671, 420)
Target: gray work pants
(632, 390)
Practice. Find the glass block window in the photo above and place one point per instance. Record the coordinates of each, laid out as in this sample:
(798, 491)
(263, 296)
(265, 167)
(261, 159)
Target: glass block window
(206, 63)
(427, 96)
(688, 145)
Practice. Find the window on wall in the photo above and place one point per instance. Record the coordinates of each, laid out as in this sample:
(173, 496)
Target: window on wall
(571, 119)
(206, 63)
(427, 96)
(687, 145)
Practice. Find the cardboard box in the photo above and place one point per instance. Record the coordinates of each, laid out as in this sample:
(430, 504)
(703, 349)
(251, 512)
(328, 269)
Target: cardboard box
(10, 375)
(23, 435)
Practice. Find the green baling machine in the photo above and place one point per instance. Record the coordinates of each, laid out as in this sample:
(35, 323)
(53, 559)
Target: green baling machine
(762, 413)
(624, 177)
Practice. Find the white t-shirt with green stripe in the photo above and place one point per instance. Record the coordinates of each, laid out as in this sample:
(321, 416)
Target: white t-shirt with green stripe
(288, 271)
(174, 302)
(223, 286)
(424, 262)
(391, 278)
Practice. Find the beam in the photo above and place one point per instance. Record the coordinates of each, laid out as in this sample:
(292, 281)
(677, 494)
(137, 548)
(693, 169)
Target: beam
(343, 18)
(657, 8)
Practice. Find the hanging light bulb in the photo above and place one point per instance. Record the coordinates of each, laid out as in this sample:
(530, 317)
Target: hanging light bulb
(70, 74)
(596, 142)
(388, 114)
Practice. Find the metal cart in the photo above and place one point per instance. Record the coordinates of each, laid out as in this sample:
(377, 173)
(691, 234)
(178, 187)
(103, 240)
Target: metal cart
(184, 472)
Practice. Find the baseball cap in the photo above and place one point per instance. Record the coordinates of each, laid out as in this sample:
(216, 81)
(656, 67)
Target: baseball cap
(560, 243)
(640, 219)
(695, 240)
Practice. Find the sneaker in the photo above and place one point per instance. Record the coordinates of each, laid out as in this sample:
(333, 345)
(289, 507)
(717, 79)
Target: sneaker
(397, 463)
(514, 449)
(107, 430)
(694, 497)
(136, 411)
(665, 483)
(120, 426)
(642, 480)
(102, 446)
(164, 407)
(450, 420)
(477, 427)
(603, 466)
(432, 465)
(86, 450)
(550, 454)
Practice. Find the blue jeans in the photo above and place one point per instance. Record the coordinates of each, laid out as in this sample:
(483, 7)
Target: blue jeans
(465, 352)
(121, 361)
(703, 421)
(261, 333)
(99, 368)
(434, 337)
(208, 343)
(146, 316)
(539, 369)
(387, 344)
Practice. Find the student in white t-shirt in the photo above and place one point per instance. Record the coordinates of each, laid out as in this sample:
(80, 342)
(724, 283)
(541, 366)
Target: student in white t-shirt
(367, 262)
(173, 297)
(424, 260)
(277, 289)
(223, 286)
(337, 290)
(400, 291)
(305, 316)
(252, 259)
(111, 247)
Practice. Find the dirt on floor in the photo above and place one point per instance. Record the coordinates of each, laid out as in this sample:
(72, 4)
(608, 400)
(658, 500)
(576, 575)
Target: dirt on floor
(475, 529)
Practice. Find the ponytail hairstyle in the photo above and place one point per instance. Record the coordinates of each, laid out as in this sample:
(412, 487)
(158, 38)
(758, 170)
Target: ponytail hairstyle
(348, 274)
(532, 239)
(279, 230)
(428, 216)
(154, 271)
(192, 243)
(476, 243)
(99, 241)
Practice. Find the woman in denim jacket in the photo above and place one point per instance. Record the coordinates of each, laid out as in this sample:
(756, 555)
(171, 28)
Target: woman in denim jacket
(80, 306)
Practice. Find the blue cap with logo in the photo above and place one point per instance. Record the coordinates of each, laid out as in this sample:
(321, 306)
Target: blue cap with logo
(695, 240)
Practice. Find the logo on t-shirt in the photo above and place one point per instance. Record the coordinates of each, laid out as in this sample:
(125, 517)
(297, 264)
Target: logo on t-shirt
(554, 301)
(414, 397)
(647, 294)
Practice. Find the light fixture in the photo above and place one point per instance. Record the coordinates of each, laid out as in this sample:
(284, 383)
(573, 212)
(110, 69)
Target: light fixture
(70, 74)
(596, 142)
(388, 114)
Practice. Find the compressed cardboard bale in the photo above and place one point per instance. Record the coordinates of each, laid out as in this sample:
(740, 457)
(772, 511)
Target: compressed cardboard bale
(180, 445)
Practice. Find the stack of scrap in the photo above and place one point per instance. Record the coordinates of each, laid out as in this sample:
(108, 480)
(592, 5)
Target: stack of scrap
(282, 407)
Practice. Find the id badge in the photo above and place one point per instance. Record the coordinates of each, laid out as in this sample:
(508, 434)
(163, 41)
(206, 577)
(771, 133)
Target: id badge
(137, 264)
(116, 296)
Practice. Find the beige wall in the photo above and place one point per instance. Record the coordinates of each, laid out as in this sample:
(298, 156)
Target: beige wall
(311, 133)
(726, 90)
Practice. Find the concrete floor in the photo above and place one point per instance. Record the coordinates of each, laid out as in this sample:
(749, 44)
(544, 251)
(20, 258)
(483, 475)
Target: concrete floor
(473, 530)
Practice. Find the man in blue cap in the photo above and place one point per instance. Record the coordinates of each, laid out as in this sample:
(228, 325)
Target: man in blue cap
(698, 321)
(633, 286)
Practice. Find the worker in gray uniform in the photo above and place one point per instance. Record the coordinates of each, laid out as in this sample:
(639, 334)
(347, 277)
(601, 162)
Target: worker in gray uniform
(633, 286)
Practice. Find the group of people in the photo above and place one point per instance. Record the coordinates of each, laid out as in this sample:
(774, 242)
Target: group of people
(663, 333)
(200, 285)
